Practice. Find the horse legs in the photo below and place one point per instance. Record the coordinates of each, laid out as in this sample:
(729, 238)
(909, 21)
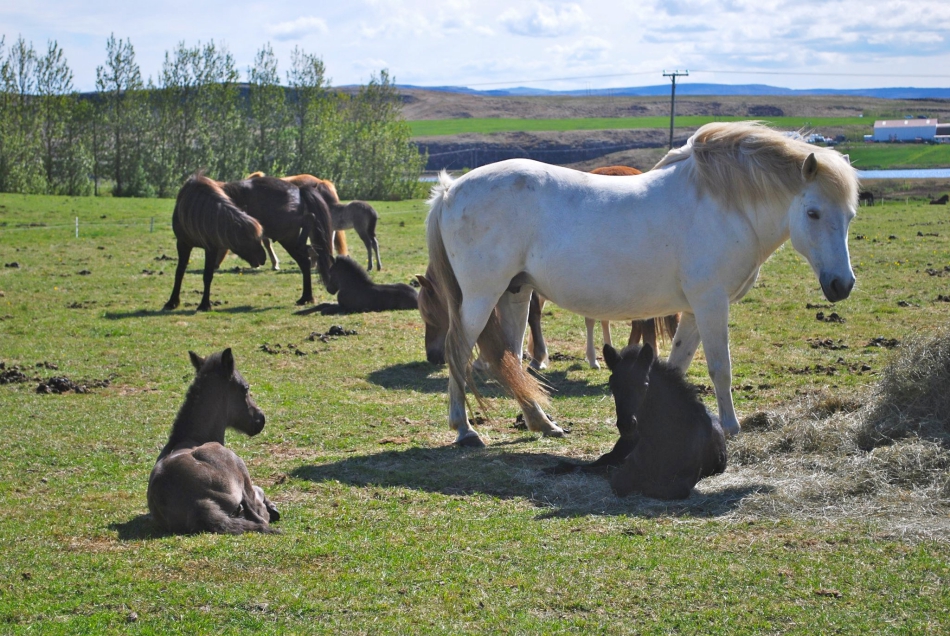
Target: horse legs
(274, 263)
(369, 240)
(212, 258)
(473, 316)
(299, 252)
(184, 253)
(379, 265)
(685, 343)
(513, 312)
(713, 323)
(591, 351)
(539, 349)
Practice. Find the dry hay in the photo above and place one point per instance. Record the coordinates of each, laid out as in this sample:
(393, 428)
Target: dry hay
(883, 455)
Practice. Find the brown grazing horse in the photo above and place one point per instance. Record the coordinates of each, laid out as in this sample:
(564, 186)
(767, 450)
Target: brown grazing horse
(359, 294)
(206, 217)
(668, 441)
(290, 215)
(198, 485)
(435, 315)
(327, 190)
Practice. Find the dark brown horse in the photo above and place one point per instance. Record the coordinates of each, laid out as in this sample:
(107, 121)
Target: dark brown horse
(198, 485)
(205, 217)
(290, 216)
(668, 441)
(328, 191)
(359, 294)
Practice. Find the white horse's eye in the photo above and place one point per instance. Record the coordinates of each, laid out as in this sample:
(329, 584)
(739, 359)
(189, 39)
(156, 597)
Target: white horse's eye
(814, 214)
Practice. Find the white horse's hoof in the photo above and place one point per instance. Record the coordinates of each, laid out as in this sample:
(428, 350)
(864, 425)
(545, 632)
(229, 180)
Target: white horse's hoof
(594, 364)
(470, 440)
(275, 268)
(554, 431)
(729, 429)
(534, 364)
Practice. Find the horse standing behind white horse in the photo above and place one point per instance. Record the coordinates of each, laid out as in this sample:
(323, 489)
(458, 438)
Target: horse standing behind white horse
(689, 236)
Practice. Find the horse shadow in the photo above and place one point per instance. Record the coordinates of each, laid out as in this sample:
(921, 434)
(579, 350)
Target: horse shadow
(499, 472)
(153, 313)
(139, 528)
(423, 377)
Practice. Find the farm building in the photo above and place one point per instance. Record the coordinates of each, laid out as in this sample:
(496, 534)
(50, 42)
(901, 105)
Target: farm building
(906, 130)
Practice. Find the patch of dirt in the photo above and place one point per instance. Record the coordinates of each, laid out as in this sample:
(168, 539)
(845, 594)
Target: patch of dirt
(62, 384)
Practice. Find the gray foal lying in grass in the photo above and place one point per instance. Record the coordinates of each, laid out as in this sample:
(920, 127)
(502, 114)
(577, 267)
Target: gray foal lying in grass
(198, 485)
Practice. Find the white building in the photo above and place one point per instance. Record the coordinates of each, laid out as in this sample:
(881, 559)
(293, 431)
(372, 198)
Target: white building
(905, 129)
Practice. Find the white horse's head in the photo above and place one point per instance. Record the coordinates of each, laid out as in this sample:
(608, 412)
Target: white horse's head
(818, 221)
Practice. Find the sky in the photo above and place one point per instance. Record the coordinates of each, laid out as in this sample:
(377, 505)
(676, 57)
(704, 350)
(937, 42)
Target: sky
(490, 44)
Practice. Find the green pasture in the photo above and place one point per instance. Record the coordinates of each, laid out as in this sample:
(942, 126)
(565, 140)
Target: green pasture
(386, 527)
(435, 127)
(882, 156)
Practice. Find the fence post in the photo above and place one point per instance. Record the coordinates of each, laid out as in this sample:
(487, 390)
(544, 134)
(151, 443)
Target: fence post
(77, 227)
(151, 225)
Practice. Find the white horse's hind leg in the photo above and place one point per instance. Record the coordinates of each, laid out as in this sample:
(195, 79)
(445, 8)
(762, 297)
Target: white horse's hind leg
(713, 323)
(591, 351)
(473, 315)
(513, 313)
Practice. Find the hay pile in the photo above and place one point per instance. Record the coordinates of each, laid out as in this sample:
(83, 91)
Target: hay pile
(882, 455)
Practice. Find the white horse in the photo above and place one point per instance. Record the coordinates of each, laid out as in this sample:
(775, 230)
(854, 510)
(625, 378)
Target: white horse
(689, 236)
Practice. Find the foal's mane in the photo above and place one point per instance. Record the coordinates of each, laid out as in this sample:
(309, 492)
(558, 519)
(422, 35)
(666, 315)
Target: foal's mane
(746, 164)
(351, 270)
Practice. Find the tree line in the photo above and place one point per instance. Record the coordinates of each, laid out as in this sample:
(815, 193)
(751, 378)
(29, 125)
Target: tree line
(140, 138)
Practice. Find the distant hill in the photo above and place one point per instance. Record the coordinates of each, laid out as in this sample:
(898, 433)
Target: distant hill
(687, 88)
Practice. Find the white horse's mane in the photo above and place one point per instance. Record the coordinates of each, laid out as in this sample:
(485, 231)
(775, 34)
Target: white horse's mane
(749, 164)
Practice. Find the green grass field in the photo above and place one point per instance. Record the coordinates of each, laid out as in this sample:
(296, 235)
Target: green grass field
(883, 156)
(422, 128)
(386, 528)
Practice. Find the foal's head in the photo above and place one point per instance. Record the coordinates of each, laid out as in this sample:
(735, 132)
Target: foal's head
(436, 317)
(629, 378)
(225, 393)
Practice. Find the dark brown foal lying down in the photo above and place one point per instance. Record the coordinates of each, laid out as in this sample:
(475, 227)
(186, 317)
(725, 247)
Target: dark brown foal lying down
(668, 441)
(198, 485)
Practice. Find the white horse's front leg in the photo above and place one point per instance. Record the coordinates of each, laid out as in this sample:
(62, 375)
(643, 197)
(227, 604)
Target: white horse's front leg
(713, 323)
(685, 343)
(591, 351)
(274, 263)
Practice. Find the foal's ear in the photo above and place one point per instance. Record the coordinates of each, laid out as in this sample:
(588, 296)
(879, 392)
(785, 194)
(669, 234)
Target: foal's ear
(611, 356)
(227, 361)
(196, 360)
(424, 282)
(810, 168)
(645, 359)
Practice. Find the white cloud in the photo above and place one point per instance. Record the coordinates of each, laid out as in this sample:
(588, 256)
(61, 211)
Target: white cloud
(589, 49)
(297, 29)
(543, 21)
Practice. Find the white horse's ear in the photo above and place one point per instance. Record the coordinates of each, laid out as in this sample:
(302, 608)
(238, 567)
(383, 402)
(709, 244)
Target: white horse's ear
(196, 360)
(810, 168)
(847, 158)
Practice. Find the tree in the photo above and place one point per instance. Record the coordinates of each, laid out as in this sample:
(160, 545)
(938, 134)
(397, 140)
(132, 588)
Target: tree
(54, 83)
(22, 164)
(317, 118)
(119, 84)
(381, 163)
(267, 98)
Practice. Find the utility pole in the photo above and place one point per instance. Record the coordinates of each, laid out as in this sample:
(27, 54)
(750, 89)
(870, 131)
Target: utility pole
(673, 75)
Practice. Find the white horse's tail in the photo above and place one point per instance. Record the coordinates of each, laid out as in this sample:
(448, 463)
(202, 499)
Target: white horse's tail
(458, 354)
